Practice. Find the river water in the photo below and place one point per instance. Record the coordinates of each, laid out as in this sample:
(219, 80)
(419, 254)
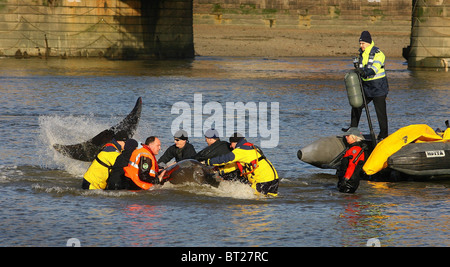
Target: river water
(69, 101)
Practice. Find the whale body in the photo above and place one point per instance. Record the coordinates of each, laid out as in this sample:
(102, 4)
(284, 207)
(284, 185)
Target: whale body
(191, 171)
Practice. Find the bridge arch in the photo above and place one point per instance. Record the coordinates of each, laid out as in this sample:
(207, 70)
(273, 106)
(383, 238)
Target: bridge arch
(164, 28)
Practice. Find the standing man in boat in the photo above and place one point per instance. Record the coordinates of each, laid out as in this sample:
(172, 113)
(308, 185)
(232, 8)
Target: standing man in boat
(370, 66)
(252, 163)
(352, 162)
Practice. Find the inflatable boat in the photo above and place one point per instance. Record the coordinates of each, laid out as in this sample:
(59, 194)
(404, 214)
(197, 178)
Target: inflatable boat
(422, 159)
(415, 150)
(324, 153)
(327, 152)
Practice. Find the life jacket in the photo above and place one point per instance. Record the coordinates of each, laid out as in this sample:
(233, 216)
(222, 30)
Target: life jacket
(132, 170)
(355, 155)
(254, 164)
(249, 168)
(99, 170)
(259, 169)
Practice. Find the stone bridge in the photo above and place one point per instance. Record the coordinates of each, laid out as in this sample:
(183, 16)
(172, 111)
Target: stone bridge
(93, 28)
(164, 28)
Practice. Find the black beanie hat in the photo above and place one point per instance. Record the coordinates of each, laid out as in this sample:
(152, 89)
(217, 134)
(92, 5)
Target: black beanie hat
(365, 37)
(236, 137)
(181, 134)
(121, 136)
(131, 144)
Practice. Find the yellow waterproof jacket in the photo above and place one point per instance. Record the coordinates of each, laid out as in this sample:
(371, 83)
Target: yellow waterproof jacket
(98, 172)
(259, 168)
(227, 168)
(373, 58)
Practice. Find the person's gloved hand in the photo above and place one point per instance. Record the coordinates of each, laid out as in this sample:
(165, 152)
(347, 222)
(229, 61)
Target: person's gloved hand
(366, 72)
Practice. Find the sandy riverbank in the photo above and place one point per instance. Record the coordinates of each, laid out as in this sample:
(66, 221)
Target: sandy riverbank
(218, 40)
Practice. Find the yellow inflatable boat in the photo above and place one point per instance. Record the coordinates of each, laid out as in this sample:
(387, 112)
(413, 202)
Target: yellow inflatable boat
(415, 150)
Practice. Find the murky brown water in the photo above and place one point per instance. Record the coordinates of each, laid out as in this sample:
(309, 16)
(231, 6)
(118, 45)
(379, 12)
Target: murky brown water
(45, 102)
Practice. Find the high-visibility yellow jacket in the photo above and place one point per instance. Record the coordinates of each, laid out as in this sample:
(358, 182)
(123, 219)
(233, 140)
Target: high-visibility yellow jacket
(98, 172)
(253, 164)
(372, 59)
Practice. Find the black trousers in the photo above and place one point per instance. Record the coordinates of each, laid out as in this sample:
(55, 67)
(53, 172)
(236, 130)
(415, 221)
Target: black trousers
(268, 187)
(85, 184)
(380, 107)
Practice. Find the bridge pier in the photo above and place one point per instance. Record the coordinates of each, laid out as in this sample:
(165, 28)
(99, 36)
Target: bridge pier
(168, 28)
(430, 35)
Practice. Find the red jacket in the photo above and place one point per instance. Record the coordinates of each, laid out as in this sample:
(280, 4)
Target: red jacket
(354, 155)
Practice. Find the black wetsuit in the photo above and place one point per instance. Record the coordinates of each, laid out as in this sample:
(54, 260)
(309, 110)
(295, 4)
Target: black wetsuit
(218, 148)
(187, 152)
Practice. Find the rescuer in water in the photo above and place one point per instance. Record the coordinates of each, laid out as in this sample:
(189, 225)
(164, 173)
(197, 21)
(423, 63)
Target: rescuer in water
(143, 169)
(182, 149)
(352, 162)
(370, 66)
(252, 163)
(217, 147)
(117, 179)
(99, 170)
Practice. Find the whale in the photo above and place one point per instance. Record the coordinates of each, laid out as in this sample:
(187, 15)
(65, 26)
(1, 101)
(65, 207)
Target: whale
(185, 171)
(88, 150)
(191, 171)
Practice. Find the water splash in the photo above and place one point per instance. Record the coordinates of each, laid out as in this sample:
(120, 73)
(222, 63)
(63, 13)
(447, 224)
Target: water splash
(226, 189)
